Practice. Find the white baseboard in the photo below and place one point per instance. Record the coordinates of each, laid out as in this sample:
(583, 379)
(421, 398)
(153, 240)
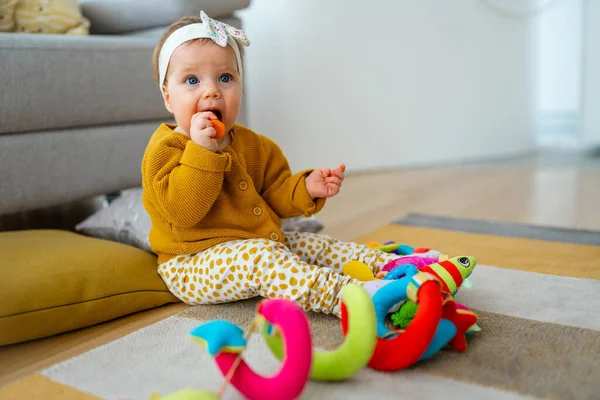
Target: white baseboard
(549, 141)
(559, 129)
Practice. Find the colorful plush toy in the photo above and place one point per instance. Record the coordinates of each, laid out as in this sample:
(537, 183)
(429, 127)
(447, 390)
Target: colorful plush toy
(462, 309)
(400, 349)
(451, 273)
(415, 260)
(422, 294)
(285, 328)
(462, 321)
(356, 351)
(358, 270)
(403, 249)
(362, 272)
(408, 255)
(404, 315)
(396, 248)
(451, 327)
(225, 341)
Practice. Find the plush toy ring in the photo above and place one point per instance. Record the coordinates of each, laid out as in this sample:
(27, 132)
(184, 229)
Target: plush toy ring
(397, 351)
(357, 349)
(225, 341)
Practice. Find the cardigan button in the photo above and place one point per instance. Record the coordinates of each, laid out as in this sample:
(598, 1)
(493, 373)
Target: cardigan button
(257, 211)
(274, 237)
(243, 185)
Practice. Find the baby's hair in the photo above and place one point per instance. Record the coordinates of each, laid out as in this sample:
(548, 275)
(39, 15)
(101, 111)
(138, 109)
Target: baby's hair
(187, 20)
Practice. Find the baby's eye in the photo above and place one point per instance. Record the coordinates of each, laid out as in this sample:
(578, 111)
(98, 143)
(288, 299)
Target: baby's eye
(225, 78)
(192, 80)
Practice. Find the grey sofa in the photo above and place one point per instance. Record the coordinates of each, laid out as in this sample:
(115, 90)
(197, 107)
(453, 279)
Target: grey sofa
(76, 112)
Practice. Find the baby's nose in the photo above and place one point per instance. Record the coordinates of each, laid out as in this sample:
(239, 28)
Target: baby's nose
(210, 90)
(209, 94)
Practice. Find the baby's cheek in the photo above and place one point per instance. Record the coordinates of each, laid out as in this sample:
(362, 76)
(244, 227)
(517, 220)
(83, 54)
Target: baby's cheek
(183, 120)
(183, 115)
(233, 110)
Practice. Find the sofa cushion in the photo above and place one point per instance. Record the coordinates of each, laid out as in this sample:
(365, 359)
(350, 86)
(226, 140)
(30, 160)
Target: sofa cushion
(57, 281)
(52, 167)
(96, 80)
(118, 16)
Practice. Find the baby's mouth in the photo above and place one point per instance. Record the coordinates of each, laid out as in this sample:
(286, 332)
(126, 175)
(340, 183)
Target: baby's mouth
(217, 114)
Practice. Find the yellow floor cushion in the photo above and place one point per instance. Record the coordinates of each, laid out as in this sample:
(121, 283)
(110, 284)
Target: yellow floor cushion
(55, 281)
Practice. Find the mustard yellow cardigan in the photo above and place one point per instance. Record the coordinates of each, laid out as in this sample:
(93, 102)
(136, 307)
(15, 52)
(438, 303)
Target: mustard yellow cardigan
(197, 199)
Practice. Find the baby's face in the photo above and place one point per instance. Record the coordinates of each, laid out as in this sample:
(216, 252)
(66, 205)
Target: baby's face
(203, 76)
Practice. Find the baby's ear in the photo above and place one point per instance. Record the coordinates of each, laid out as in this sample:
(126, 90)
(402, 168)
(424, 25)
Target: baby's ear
(167, 99)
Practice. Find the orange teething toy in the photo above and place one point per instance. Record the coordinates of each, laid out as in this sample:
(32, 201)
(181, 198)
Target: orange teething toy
(219, 127)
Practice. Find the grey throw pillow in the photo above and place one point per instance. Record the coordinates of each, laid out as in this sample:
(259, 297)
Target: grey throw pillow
(126, 221)
(119, 16)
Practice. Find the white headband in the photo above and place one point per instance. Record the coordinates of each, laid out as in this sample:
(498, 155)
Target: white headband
(221, 33)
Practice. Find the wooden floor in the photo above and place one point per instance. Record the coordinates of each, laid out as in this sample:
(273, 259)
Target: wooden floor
(549, 193)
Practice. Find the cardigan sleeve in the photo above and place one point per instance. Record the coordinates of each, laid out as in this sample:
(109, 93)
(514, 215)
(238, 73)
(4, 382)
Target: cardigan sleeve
(183, 179)
(285, 192)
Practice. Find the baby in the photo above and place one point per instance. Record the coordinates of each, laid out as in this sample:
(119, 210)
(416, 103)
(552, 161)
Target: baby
(216, 204)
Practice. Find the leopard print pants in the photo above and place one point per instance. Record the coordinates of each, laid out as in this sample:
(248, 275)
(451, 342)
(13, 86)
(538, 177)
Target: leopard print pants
(306, 270)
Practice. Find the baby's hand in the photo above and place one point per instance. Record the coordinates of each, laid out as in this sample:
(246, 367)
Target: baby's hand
(324, 182)
(202, 131)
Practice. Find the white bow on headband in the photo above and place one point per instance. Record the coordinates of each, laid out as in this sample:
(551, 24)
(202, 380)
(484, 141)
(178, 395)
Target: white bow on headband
(220, 33)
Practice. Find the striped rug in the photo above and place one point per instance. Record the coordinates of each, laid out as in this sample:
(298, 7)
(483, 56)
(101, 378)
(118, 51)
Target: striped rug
(536, 292)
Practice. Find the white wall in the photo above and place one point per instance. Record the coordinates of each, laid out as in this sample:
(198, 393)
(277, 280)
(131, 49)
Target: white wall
(591, 75)
(559, 38)
(560, 51)
(388, 83)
